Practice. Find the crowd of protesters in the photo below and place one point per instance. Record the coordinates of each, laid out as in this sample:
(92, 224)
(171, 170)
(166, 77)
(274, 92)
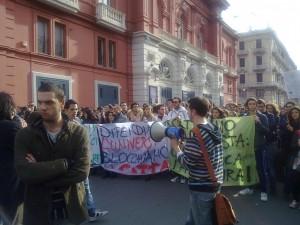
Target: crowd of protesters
(276, 135)
(277, 138)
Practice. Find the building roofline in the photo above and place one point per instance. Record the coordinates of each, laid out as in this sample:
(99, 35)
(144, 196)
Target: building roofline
(229, 30)
(275, 37)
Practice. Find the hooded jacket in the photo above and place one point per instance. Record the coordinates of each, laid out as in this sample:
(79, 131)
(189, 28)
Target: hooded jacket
(51, 172)
(192, 158)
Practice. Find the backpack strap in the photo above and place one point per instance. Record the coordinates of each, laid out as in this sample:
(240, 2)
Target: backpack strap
(208, 163)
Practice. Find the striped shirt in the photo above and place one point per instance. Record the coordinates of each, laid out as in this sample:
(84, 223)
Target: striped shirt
(192, 156)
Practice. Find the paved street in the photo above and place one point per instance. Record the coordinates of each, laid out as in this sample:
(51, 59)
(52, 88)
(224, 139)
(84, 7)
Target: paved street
(160, 202)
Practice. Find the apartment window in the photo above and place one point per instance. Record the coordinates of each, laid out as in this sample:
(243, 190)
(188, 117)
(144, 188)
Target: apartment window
(60, 39)
(242, 62)
(242, 45)
(260, 93)
(153, 98)
(259, 77)
(101, 52)
(258, 43)
(242, 78)
(258, 60)
(229, 87)
(43, 34)
(165, 94)
(112, 54)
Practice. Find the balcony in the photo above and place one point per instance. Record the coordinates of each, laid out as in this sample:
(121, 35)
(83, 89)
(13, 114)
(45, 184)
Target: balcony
(265, 84)
(65, 5)
(110, 17)
(184, 46)
(259, 51)
(259, 68)
(229, 71)
(242, 52)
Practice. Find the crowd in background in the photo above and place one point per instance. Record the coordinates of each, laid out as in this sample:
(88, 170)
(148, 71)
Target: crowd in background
(277, 137)
(277, 134)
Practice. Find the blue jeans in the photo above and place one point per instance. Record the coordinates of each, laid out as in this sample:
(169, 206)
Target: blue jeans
(262, 157)
(202, 206)
(90, 204)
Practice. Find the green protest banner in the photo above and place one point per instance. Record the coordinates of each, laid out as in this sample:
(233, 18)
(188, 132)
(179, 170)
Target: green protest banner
(238, 143)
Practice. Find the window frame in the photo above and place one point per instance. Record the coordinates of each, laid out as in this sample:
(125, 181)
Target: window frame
(258, 43)
(104, 51)
(55, 22)
(114, 60)
(244, 78)
(260, 93)
(244, 60)
(241, 45)
(36, 35)
(259, 75)
(259, 62)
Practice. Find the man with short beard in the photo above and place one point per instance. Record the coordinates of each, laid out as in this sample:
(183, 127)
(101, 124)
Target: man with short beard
(52, 159)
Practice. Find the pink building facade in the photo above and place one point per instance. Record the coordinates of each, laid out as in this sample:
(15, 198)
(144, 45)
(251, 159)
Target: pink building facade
(82, 46)
(179, 48)
(107, 51)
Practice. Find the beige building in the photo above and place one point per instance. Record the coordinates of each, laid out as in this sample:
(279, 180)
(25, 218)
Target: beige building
(262, 61)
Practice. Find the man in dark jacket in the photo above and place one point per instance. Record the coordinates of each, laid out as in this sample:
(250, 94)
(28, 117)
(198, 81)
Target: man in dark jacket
(11, 189)
(52, 158)
(261, 131)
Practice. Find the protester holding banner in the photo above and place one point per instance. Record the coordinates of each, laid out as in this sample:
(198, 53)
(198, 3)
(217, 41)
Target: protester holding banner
(261, 130)
(119, 116)
(148, 116)
(271, 140)
(135, 113)
(216, 113)
(202, 188)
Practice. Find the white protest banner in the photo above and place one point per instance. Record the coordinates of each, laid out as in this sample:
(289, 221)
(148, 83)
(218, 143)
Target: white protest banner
(128, 149)
(94, 144)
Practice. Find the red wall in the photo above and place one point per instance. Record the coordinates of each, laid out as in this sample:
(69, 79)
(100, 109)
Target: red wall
(19, 57)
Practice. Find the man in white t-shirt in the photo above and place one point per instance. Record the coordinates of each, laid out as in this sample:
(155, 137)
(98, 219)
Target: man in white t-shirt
(178, 111)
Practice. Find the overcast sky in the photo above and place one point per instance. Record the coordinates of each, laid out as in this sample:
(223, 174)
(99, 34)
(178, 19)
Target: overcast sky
(281, 15)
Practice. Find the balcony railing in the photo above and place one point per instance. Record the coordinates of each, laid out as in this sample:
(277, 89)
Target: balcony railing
(184, 45)
(66, 5)
(242, 52)
(259, 51)
(110, 17)
(259, 67)
(262, 84)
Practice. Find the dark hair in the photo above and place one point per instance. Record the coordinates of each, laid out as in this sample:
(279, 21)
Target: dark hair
(50, 87)
(291, 120)
(261, 101)
(179, 99)
(7, 106)
(290, 102)
(69, 103)
(219, 110)
(250, 99)
(201, 105)
(135, 103)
